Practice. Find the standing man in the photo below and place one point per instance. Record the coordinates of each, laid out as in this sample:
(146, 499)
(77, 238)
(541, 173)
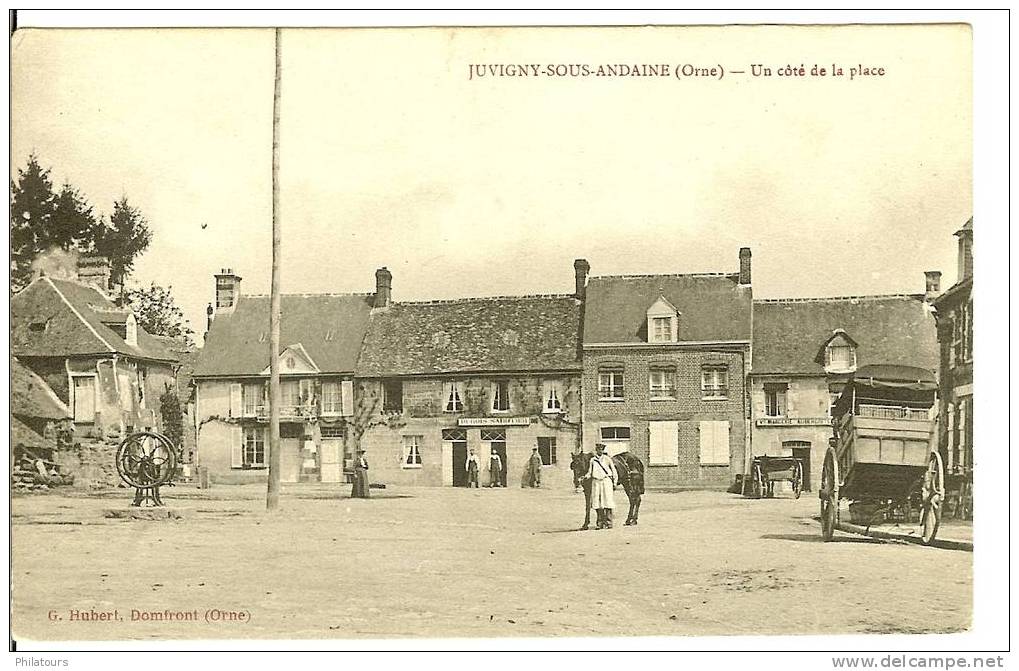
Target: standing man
(534, 469)
(494, 469)
(603, 476)
(473, 467)
(360, 488)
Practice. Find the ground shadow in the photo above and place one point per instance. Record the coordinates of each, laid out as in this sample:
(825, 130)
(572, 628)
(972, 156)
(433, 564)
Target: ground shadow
(816, 538)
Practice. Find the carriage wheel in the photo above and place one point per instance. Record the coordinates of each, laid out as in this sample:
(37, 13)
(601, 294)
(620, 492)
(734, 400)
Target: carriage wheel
(829, 495)
(758, 476)
(933, 495)
(798, 480)
(146, 459)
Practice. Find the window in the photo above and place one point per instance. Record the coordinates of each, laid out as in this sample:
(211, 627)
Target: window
(500, 396)
(332, 398)
(392, 396)
(546, 450)
(662, 382)
(493, 435)
(455, 435)
(962, 335)
(454, 397)
(84, 399)
(610, 384)
(714, 382)
(331, 432)
(253, 396)
(840, 355)
(254, 447)
(774, 399)
(663, 443)
(306, 392)
(616, 439)
(661, 329)
(290, 393)
(412, 451)
(552, 394)
(714, 443)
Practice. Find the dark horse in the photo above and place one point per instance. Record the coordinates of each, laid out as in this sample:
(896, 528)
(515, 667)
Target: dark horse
(631, 477)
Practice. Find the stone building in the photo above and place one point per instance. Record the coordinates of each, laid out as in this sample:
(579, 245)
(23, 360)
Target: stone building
(806, 348)
(437, 379)
(955, 336)
(320, 337)
(664, 361)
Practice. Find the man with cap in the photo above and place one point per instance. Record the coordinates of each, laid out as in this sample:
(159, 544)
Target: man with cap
(603, 476)
(534, 469)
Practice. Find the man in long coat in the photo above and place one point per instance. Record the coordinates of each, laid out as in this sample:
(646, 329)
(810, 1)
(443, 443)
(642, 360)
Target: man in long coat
(495, 470)
(603, 476)
(534, 469)
(360, 488)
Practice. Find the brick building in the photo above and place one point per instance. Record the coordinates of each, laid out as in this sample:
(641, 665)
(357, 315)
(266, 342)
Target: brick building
(806, 348)
(955, 336)
(436, 379)
(664, 361)
(320, 336)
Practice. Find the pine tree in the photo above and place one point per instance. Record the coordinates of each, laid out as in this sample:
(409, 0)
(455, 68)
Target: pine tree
(121, 240)
(33, 204)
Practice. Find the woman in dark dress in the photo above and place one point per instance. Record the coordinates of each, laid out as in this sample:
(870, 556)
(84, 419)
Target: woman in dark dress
(360, 488)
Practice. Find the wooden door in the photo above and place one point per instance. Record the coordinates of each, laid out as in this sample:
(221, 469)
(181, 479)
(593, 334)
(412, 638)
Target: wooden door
(331, 460)
(85, 399)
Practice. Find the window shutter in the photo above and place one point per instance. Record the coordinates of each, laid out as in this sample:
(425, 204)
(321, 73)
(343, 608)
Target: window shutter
(236, 408)
(236, 447)
(347, 398)
(707, 435)
(655, 452)
(670, 442)
(721, 440)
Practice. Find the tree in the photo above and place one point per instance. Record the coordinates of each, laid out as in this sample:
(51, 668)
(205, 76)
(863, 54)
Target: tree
(156, 312)
(173, 417)
(121, 240)
(73, 221)
(32, 207)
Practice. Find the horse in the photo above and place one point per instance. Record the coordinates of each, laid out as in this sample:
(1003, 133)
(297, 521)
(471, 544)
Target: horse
(631, 477)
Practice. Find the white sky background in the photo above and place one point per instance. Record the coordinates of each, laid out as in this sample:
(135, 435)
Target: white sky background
(390, 156)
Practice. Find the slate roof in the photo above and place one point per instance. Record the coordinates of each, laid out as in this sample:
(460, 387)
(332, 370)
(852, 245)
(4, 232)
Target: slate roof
(895, 329)
(54, 317)
(505, 333)
(32, 397)
(712, 307)
(331, 328)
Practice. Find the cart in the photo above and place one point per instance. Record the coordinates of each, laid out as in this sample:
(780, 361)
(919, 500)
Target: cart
(882, 453)
(765, 471)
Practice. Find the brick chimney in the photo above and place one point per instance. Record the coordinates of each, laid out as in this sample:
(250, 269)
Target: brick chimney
(95, 271)
(581, 268)
(383, 288)
(933, 284)
(228, 290)
(965, 235)
(744, 265)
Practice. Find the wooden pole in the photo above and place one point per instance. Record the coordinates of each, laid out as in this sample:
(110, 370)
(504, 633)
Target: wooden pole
(272, 495)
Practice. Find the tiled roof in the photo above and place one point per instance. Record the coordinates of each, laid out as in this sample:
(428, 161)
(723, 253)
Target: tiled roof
(331, 328)
(897, 329)
(53, 317)
(712, 307)
(32, 397)
(506, 333)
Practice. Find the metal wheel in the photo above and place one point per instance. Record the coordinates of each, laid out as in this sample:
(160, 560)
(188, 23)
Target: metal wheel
(146, 459)
(932, 496)
(829, 495)
(798, 480)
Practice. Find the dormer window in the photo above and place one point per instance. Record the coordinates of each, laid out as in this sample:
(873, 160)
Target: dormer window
(839, 353)
(662, 321)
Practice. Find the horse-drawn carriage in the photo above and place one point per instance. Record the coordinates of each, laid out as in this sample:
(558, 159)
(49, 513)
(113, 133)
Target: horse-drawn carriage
(883, 454)
(765, 471)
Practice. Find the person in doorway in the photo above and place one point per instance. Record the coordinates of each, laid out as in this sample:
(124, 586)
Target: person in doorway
(473, 468)
(360, 488)
(534, 469)
(495, 470)
(603, 476)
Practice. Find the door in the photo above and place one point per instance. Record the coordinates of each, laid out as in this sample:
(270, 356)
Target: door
(331, 464)
(291, 459)
(447, 463)
(85, 399)
(500, 448)
(803, 454)
(459, 453)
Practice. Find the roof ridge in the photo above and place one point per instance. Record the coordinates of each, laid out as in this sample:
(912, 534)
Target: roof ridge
(80, 317)
(822, 299)
(645, 276)
(478, 299)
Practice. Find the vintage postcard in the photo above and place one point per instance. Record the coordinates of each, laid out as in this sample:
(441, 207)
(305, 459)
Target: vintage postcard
(491, 333)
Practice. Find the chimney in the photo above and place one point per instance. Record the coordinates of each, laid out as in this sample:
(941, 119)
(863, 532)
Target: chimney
(208, 320)
(581, 268)
(744, 265)
(933, 279)
(94, 270)
(228, 290)
(383, 287)
(965, 235)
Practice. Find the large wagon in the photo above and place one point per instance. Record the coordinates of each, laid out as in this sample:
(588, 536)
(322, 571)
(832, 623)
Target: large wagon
(882, 455)
(765, 471)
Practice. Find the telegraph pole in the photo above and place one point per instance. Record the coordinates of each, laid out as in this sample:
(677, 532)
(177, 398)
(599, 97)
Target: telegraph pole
(272, 495)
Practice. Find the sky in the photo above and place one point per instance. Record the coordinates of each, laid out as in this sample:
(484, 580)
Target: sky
(391, 156)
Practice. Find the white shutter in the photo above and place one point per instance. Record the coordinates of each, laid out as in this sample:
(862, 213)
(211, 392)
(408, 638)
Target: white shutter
(655, 452)
(236, 447)
(714, 443)
(670, 442)
(722, 443)
(236, 407)
(706, 433)
(347, 398)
